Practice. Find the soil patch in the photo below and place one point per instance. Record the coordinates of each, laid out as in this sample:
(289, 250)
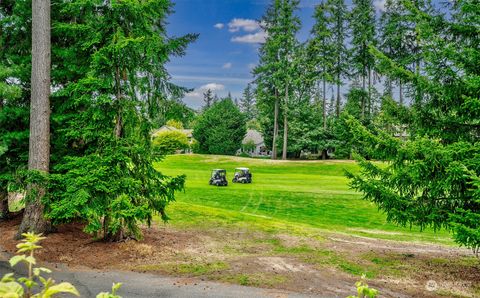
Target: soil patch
(327, 265)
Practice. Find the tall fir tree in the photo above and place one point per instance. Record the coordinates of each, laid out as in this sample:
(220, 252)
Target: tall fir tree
(208, 99)
(39, 141)
(362, 25)
(433, 178)
(321, 48)
(247, 103)
(267, 75)
(337, 11)
(392, 40)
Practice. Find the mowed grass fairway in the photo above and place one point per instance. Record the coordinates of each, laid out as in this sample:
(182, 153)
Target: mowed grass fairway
(297, 196)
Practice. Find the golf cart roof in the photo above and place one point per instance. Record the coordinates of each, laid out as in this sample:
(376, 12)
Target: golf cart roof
(243, 169)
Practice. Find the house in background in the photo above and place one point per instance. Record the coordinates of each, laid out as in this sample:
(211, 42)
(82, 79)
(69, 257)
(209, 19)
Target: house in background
(253, 144)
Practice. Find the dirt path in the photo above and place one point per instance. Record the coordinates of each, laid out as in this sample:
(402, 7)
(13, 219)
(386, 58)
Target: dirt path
(281, 264)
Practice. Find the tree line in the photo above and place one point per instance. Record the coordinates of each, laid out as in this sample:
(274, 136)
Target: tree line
(401, 86)
(304, 88)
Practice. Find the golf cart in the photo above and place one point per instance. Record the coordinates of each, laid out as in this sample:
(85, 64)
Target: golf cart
(242, 175)
(219, 177)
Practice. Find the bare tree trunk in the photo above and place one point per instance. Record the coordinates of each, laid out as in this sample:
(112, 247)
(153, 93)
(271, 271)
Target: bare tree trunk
(275, 127)
(370, 111)
(363, 97)
(285, 125)
(4, 211)
(324, 104)
(39, 149)
(401, 92)
(337, 107)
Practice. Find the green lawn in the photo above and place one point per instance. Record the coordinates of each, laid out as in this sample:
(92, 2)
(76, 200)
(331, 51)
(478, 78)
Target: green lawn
(301, 197)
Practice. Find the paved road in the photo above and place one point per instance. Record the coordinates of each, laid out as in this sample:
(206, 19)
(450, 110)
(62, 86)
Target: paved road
(140, 285)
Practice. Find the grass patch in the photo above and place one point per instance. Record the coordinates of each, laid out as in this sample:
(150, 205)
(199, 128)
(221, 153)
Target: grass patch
(293, 196)
(254, 279)
(189, 269)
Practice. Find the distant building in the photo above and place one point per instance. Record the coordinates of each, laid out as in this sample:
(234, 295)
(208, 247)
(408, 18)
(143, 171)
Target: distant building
(253, 144)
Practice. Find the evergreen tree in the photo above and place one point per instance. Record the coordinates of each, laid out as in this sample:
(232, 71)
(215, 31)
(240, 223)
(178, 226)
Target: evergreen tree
(267, 75)
(220, 129)
(392, 40)
(247, 103)
(39, 142)
(362, 25)
(337, 11)
(432, 179)
(321, 48)
(15, 76)
(208, 99)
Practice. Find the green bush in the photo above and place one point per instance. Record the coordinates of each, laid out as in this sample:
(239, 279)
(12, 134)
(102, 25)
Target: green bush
(248, 146)
(221, 129)
(169, 142)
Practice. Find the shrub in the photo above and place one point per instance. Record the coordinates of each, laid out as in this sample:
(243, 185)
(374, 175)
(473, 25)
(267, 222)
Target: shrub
(169, 142)
(175, 123)
(249, 146)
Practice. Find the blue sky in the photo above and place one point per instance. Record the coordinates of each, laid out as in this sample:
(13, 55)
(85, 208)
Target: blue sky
(223, 56)
(227, 48)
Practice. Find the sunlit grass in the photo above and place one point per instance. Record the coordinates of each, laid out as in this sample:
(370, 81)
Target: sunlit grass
(300, 197)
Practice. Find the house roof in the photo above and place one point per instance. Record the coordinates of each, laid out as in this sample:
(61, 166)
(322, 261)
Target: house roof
(255, 136)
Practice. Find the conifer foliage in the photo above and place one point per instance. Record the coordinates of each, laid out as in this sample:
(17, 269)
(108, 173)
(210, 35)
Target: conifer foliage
(108, 70)
(433, 179)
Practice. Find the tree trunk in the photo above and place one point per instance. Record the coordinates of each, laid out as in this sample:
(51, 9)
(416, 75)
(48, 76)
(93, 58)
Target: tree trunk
(39, 149)
(275, 127)
(285, 126)
(4, 211)
(324, 104)
(370, 111)
(401, 92)
(363, 97)
(337, 107)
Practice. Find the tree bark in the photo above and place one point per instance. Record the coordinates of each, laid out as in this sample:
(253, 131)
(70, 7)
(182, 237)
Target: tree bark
(324, 104)
(363, 97)
(39, 147)
(4, 211)
(370, 111)
(285, 125)
(337, 108)
(401, 92)
(275, 126)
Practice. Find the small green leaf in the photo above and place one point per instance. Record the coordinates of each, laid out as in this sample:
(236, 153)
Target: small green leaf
(16, 259)
(11, 290)
(7, 278)
(64, 287)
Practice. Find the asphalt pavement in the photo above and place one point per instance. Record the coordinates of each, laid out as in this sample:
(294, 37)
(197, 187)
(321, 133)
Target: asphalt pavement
(141, 285)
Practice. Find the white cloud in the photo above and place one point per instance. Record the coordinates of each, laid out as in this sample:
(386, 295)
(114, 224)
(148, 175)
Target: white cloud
(379, 4)
(258, 37)
(219, 25)
(198, 92)
(213, 87)
(227, 65)
(251, 65)
(247, 25)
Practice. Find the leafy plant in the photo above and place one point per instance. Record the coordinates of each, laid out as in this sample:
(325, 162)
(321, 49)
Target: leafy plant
(11, 287)
(24, 286)
(363, 290)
